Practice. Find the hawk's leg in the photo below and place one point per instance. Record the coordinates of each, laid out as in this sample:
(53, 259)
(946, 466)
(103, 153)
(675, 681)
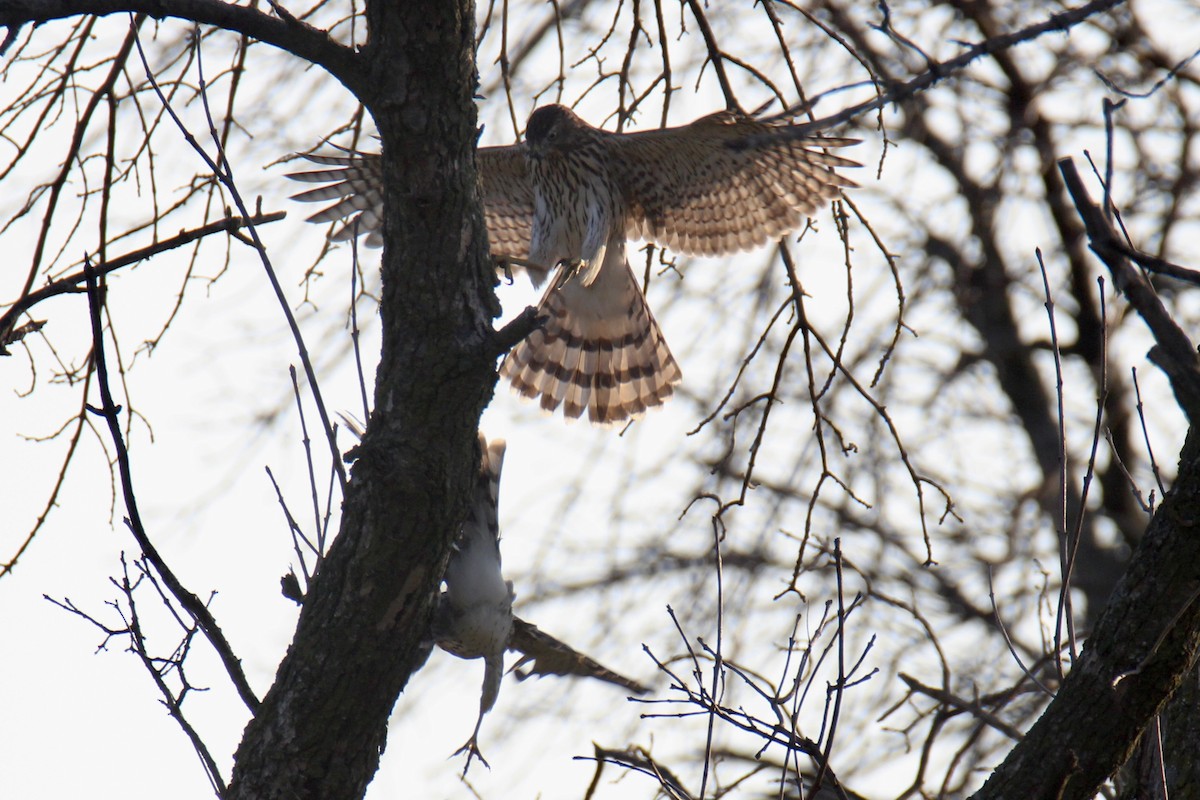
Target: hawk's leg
(505, 264)
(583, 269)
(571, 267)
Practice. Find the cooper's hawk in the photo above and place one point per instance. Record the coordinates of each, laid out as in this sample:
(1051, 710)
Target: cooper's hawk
(573, 195)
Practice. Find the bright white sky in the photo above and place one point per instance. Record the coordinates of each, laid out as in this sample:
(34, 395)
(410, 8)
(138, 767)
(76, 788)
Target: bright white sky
(80, 723)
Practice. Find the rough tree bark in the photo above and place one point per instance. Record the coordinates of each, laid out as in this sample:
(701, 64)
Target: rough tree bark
(1181, 740)
(1142, 648)
(323, 724)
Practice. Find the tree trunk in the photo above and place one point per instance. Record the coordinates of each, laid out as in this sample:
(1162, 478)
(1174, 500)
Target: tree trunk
(364, 624)
(1168, 769)
(1143, 647)
(1181, 739)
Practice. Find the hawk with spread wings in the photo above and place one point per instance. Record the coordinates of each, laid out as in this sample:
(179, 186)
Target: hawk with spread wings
(575, 195)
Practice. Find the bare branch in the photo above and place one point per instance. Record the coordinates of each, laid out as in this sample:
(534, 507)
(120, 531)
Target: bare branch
(110, 411)
(74, 283)
(290, 34)
(1175, 353)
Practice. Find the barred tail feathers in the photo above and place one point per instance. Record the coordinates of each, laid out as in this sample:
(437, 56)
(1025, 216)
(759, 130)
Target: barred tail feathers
(601, 350)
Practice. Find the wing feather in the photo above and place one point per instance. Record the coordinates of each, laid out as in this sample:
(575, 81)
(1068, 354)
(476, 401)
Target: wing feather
(354, 184)
(545, 655)
(507, 196)
(724, 183)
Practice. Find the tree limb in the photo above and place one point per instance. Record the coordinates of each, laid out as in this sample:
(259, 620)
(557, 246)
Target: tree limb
(74, 283)
(1174, 352)
(938, 71)
(290, 34)
(192, 603)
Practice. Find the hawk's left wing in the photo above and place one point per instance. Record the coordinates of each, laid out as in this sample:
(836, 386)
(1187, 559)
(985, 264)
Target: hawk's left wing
(724, 183)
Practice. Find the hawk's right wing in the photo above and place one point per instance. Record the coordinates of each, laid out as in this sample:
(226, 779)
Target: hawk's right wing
(507, 196)
(354, 183)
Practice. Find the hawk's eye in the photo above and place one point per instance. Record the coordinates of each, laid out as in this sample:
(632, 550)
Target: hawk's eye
(551, 136)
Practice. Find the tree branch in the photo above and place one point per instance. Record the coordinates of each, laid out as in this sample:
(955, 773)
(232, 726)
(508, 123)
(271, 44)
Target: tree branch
(73, 283)
(189, 601)
(939, 70)
(515, 331)
(1174, 352)
(1142, 648)
(298, 38)
(1145, 642)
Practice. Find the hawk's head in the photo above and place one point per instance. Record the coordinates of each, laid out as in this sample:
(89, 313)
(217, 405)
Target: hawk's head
(553, 128)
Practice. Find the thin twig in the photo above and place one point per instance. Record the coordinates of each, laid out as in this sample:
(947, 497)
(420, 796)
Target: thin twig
(224, 175)
(192, 604)
(74, 283)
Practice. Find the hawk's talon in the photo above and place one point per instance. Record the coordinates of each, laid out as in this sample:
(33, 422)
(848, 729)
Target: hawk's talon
(505, 265)
(572, 267)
